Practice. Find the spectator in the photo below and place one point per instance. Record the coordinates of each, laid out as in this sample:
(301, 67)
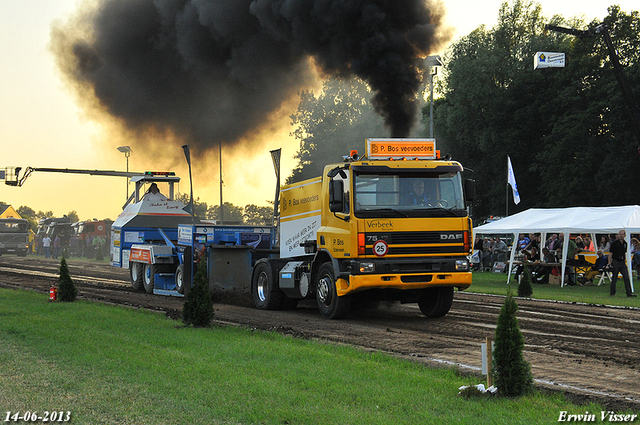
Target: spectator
(499, 251)
(529, 256)
(635, 254)
(597, 268)
(618, 260)
(89, 246)
(588, 244)
(46, 245)
(534, 242)
(56, 246)
(73, 246)
(97, 247)
(477, 253)
(477, 244)
(523, 242)
(486, 253)
(579, 242)
(604, 244)
(542, 270)
(552, 242)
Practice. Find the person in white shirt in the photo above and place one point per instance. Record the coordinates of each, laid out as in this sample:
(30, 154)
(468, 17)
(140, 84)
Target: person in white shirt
(46, 244)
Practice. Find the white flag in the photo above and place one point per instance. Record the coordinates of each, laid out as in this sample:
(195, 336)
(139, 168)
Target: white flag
(512, 181)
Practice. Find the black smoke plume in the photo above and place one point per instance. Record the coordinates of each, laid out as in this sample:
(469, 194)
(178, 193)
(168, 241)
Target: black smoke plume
(214, 70)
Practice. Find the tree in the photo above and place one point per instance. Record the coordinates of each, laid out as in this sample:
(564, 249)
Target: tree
(198, 305)
(67, 291)
(231, 213)
(564, 129)
(512, 374)
(40, 214)
(25, 212)
(200, 209)
(30, 215)
(332, 124)
(524, 287)
(73, 216)
(258, 216)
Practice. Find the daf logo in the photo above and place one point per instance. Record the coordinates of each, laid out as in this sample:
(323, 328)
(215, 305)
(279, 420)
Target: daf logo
(450, 236)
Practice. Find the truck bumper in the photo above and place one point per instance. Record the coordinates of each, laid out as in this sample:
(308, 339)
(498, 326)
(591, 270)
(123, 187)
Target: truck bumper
(357, 283)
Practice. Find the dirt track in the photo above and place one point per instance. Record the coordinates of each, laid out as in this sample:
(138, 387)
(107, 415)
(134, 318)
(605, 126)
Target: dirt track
(591, 352)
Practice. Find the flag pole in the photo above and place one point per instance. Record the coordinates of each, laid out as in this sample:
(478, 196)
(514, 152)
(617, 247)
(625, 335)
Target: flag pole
(187, 155)
(511, 181)
(507, 194)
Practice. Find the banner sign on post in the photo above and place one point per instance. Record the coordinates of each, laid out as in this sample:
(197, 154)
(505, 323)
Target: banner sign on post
(548, 60)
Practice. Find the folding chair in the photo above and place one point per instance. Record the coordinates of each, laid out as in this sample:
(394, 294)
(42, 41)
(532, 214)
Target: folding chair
(603, 275)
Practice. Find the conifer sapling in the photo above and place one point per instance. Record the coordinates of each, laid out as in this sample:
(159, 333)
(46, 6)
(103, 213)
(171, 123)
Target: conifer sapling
(198, 306)
(66, 288)
(512, 374)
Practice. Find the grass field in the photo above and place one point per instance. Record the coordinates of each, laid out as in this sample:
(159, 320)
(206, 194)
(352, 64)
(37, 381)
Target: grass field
(495, 283)
(113, 365)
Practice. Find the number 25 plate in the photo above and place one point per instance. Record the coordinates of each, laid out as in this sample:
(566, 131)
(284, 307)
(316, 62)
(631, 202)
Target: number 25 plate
(380, 248)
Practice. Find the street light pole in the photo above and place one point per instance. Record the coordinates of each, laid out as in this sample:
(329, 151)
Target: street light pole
(126, 150)
(432, 62)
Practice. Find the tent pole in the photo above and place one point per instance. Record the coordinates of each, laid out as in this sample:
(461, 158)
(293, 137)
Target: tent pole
(565, 247)
(627, 238)
(512, 256)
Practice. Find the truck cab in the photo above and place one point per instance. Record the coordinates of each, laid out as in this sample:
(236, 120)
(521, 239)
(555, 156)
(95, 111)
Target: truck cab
(14, 236)
(393, 225)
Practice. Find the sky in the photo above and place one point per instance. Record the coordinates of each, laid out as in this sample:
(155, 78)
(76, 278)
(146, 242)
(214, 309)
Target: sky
(43, 125)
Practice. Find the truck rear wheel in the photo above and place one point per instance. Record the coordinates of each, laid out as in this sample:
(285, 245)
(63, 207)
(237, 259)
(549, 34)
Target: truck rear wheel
(135, 271)
(180, 279)
(331, 306)
(148, 277)
(265, 295)
(436, 302)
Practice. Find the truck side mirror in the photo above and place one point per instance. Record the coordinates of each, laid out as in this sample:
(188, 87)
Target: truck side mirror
(469, 189)
(336, 196)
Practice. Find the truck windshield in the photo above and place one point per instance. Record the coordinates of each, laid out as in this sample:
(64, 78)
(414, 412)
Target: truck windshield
(415, 194)
(12, 226)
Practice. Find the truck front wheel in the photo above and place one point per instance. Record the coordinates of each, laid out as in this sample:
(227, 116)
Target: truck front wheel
(331, 306)
(436, 302)
(135, 271)
(148, 277)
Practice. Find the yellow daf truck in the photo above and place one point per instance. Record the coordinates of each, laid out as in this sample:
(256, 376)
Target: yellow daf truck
(392, 225)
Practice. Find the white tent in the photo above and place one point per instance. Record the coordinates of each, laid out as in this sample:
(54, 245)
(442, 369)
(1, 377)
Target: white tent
(569, 220)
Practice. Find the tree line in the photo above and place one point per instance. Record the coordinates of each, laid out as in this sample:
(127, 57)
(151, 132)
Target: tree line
(250, 214)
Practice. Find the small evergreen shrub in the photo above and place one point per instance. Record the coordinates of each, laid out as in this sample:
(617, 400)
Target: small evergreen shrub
(512, 374)
(198, 306)
(524, 287)
(67, 291)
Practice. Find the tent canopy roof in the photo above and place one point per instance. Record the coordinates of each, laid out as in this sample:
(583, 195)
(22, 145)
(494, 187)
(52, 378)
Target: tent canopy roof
(568, 220)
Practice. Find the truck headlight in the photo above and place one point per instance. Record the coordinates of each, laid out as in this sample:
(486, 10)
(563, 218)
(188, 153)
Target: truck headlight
(367, 267)
(462, 265)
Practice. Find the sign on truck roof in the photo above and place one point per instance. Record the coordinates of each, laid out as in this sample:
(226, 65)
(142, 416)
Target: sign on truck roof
(401, 149)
